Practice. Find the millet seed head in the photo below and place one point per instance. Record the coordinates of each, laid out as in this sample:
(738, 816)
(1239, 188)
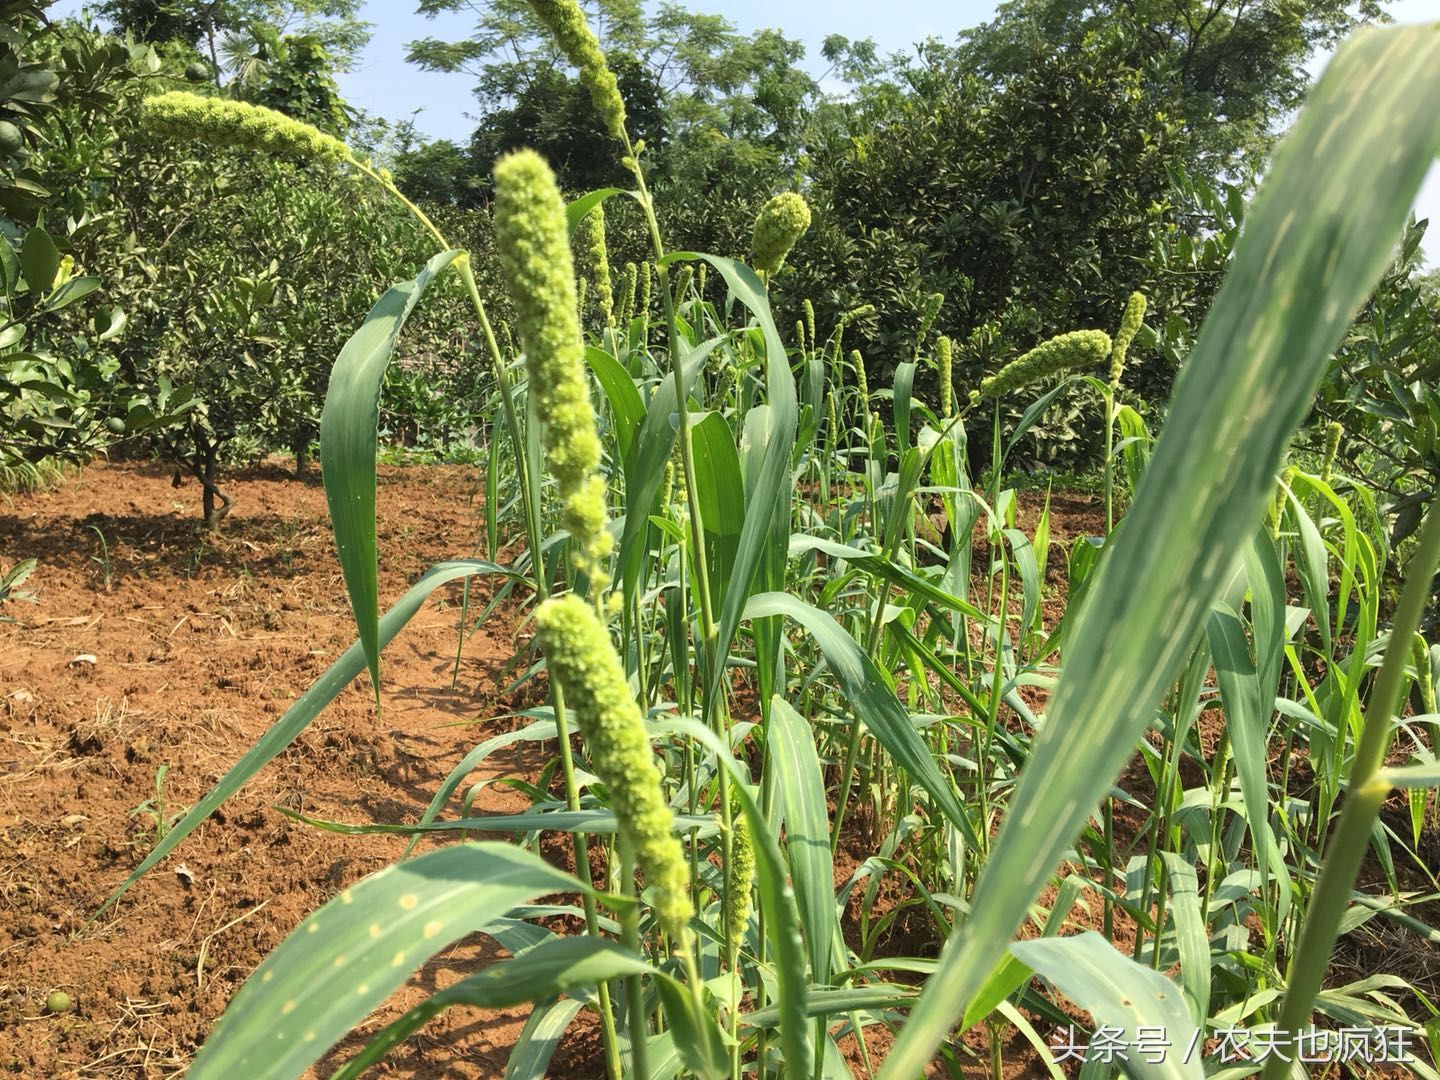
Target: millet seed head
(782, 222)
(1067, 352)
(1130, 323)
(583, 663)
(567, 25)
(221, 122)
(531, 235)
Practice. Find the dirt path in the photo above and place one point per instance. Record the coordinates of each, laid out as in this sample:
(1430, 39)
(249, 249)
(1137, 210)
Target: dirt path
(197, 645)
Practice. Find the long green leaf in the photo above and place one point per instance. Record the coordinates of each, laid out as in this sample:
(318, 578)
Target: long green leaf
(649, 453)
(777, 901)
(776, 430)
(589, 821)
(346, 959)
(530, 1059)
(348, 446)
(801, 787)
(555, 966)
(1320, 232)
(1120, 994)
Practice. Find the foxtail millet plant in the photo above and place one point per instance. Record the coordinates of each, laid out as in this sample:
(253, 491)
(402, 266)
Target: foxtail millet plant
(1334, 432)
(567, 25)
(944, 360)
(1130, 322)
(222, 122)
(590, 241)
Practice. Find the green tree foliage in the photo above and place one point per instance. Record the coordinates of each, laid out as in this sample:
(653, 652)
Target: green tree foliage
(61, 397)
(1384, 389)
(1229, 70)
(1030, 205)
(289, 73)
(203, 24)
(715, 108)
(553, 114)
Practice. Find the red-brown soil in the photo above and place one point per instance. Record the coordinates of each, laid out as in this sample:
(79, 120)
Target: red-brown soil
(198, 645)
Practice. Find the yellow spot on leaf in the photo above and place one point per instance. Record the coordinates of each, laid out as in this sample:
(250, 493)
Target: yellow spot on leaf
(408, 901)
(433, 928)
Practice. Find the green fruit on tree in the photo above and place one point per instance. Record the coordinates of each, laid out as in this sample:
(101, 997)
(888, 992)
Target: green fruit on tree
(12, 140)
(116, 425)
(197, 72)
(58, 1002)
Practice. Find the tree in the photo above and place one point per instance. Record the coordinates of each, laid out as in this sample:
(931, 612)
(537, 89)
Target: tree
(1231, 71)
(203, 24)
(288, 73)
(1028, 204)
(707, 100)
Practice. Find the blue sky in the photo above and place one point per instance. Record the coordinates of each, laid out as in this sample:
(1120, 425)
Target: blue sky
(383, 83)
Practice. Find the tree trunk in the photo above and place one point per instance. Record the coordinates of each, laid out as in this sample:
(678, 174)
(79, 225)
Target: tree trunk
(208, 456)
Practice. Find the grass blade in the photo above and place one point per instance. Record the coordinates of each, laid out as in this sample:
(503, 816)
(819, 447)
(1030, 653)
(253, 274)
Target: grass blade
(551, 968)
(801, 787)
(1119, 993)
(347, 448)
(345, 959)
(872, 699)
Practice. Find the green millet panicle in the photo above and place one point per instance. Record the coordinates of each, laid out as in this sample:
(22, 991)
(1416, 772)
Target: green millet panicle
(1129, 326)
(832, 417)
(1334, 431)
(810, 320)
(583, 662)
(782, 222)
(800, 333)
(531, 235)
(1424, 674)
(682, 283)
(1277, 504)
(858, 363)
(567, 25)
(944, 357)
(1068, 352)
(742, 878)
(627, 293)
(590, 241)
(700, 280)
(644, 309)
(221, 122)
(928, 314)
